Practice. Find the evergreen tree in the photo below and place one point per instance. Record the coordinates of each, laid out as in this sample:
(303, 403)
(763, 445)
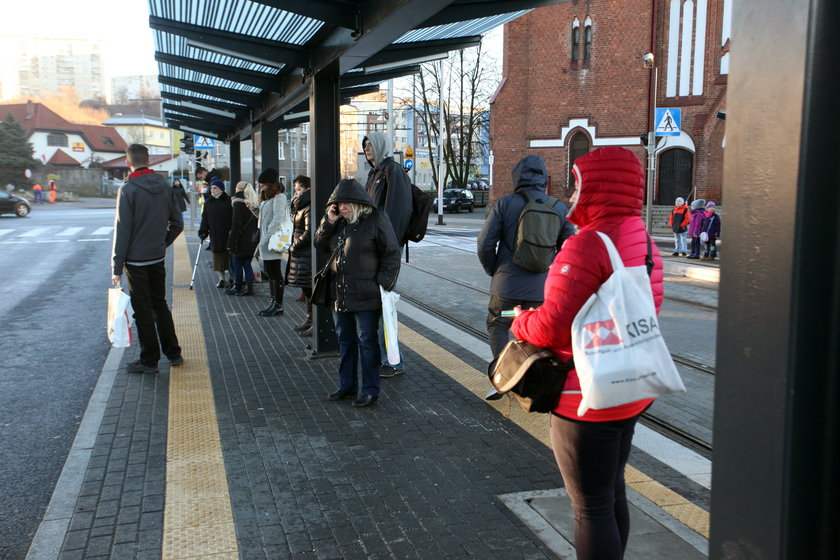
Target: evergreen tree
(15, 154)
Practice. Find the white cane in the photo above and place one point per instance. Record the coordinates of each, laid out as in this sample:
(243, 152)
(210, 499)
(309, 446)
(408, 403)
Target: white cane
(195, 267)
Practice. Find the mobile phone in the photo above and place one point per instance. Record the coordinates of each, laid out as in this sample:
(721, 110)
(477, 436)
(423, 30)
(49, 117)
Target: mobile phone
(508, 313)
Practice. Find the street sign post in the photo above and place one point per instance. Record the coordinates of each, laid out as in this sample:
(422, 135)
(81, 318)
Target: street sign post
(203, 143)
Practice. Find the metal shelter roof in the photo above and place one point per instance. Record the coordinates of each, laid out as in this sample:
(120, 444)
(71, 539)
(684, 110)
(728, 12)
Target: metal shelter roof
(225, 64)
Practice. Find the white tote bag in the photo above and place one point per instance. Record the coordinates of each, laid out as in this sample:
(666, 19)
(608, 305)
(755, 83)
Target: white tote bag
(620, 355)
(120, 318)
(389, 323)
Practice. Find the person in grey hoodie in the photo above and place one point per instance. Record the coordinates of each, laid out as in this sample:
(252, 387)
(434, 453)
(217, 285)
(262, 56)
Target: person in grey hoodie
(147, 221)
(390, 189)
(512, 285)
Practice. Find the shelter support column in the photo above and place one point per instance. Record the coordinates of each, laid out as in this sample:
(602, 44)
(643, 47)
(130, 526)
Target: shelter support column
(265, 149)
(776, 464)
(235, 162)
(324, 102)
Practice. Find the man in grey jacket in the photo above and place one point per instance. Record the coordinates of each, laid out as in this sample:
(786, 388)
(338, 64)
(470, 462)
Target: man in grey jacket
(389, 187)
(512, 285)
(146, 223)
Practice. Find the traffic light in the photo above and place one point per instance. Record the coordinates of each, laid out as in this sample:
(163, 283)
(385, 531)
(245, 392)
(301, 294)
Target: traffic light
(199, 154)
(187, 144)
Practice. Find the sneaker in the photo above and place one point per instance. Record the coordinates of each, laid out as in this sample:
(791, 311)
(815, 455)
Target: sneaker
(675, 254)
(177, 360)
(140, 367)
(389, 371)
(684, 254)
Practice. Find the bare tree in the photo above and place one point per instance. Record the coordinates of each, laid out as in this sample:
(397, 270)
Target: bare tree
(466, 85)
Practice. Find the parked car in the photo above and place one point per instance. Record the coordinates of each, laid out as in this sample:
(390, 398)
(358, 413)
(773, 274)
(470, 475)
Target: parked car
(454, 200)
(12, 204)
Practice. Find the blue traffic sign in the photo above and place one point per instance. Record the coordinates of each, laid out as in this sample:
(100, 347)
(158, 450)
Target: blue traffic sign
(667, 122)
(408, 164)
(204, 143)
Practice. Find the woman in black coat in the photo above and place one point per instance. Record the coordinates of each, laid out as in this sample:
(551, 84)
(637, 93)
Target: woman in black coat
(243, 239)
(215, 222)
(300, 252)
(180, 195)
(367, 257)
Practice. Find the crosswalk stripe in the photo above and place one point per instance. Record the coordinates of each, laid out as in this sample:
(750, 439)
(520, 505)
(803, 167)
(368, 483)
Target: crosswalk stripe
(70, 231)
(103, 231)
(34, 232)
(5, 232)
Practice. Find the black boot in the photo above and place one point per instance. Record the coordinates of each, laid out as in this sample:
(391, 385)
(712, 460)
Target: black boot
(247, 291)
(308, 322)
(234, 290)
(272, 305)
(278, 295)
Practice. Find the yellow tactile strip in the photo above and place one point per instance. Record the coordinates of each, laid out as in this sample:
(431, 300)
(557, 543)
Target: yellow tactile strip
(475, 381)
(197, 521)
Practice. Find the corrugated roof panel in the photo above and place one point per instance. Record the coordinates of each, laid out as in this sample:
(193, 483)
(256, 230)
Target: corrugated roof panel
(459, 29)
(240, 16)
(170, 89)
(175, 45)
(193, 76)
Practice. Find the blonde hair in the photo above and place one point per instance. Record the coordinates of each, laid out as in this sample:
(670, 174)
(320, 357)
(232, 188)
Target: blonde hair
(250, 194)
(358, 211)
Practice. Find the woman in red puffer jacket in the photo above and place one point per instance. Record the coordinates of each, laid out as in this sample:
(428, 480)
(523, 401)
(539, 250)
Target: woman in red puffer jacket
(592, 450)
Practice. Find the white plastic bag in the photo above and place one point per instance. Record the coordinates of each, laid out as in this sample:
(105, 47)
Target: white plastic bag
(704, 237)
(620, 355)
(120, 318)
(281, 240)
(389, 323)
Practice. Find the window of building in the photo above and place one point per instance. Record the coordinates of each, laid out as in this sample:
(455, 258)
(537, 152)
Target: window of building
(579, 146)
(107, 141)
(574, 47)
(282, 150)
(587, 40)
(294, 151)
(56, 139)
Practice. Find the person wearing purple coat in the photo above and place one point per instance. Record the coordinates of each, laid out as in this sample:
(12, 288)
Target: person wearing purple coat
(711, 226)
(695, 227)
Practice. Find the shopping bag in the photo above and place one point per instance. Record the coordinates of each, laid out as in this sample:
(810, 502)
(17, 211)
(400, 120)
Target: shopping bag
(389, 323)
(620, 355)
(281, 240)
(120, 318)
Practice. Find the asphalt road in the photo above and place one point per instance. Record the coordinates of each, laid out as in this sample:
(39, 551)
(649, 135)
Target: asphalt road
(52, 349)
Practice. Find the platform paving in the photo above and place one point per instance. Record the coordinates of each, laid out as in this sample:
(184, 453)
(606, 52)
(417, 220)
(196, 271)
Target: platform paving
(421, 474)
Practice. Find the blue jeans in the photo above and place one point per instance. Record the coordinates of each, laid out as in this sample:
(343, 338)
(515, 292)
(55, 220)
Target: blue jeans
(39, 197)
(240, 266)
(357, 337)
(679, 242)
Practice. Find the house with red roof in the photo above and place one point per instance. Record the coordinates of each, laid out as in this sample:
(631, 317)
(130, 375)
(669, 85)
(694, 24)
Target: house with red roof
(57, 141)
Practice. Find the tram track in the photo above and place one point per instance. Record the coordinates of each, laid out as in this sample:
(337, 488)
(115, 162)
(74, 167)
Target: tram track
(650, 420)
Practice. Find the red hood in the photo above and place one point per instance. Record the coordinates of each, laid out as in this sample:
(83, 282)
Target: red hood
(611, 184)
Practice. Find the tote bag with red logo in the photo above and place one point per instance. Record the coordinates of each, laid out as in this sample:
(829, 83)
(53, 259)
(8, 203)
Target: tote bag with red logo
(620, 355)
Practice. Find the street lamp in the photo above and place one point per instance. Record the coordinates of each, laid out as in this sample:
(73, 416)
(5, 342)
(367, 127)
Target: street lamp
(650, 63)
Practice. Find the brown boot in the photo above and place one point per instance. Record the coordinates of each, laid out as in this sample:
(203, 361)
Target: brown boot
(301, 297)
(308, 332)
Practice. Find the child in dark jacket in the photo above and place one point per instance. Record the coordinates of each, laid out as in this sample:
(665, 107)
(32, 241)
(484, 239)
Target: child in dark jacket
(711, 226)
(695, 227)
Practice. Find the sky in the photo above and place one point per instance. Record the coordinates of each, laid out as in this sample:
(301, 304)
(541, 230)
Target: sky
(121, 25)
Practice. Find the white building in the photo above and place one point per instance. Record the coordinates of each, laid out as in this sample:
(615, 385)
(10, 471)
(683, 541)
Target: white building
(33, 67)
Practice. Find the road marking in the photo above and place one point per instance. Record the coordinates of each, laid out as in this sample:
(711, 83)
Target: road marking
(70, 231)
(34, 232)
(197, 517)
(5, 232)
(103, 230)
(98, 239)
(52, 241)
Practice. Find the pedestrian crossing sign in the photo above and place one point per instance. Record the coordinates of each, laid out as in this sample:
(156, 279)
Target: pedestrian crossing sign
(667, 122)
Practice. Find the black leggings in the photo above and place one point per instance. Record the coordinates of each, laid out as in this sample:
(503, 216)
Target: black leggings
(592, 457)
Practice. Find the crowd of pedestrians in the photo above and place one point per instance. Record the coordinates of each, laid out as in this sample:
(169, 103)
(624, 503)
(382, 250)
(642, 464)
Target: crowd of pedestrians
(363, 231)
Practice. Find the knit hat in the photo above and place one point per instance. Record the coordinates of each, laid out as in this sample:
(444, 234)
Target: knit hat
(710, 204)
(698, 203)
(680, 201)
(269, 176)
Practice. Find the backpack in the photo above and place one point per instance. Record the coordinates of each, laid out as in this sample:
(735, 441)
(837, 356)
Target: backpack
(536, 234)
(421, 206)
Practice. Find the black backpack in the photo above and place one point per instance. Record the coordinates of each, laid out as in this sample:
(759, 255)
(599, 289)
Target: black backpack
(421, 206)
(536, 234)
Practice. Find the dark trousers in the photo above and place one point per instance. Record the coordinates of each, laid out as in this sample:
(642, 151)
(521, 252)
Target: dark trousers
(147, 288)
(274, 271)
(358, 336)
(695, 247)
(711, 248)
(592, 457)
(241, 266)
(498, 327)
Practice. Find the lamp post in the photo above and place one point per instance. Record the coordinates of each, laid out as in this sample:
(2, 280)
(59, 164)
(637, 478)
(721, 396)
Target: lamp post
(650, 63)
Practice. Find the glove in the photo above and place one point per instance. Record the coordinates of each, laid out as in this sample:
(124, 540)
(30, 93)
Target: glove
(202, 236)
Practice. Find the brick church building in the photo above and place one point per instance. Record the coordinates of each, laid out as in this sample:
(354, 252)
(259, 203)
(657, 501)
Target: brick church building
(575, 79)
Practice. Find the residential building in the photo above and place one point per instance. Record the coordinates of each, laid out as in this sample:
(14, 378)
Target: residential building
(39, 66)
(137, 88)
(147, 130)
(60, 142)
(594, 90)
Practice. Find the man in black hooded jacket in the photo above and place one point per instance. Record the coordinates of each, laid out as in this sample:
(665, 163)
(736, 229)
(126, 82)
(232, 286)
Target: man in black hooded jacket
(146, 223)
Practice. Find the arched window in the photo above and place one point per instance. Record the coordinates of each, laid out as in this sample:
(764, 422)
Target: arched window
(574, 47)
(56, 139)
(578, 146)
(587, 40)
